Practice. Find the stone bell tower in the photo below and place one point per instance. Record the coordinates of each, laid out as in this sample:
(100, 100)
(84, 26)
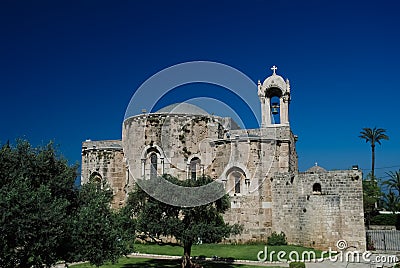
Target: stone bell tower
(274, 94)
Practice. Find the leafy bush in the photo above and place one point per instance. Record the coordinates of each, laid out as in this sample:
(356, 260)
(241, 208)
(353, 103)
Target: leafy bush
(297, 265)
(277, 239)
(384, 219)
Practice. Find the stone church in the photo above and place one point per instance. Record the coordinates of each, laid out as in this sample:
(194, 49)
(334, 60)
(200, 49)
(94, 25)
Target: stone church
(258, 168)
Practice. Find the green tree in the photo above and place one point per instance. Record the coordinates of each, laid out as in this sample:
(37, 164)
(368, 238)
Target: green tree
(371, 195)
(98, 233)
(44, 218)
(36, 195)
(391, 202)
(373, 136)
(394, 182)
(187, 224)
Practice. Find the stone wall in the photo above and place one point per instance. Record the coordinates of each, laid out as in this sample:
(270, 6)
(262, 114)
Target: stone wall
(319, 216)
(179, 138)
(273, 196)
(103, 162)
(175, 139)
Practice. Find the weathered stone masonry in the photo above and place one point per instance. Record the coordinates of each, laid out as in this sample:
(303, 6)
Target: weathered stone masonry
(103, 162)
(318, 208)
(258, 168)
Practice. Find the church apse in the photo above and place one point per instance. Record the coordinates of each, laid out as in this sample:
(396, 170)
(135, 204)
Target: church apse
(258, 167)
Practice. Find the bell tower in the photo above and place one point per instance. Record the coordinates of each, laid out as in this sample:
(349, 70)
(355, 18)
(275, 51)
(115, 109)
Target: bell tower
(274, 94)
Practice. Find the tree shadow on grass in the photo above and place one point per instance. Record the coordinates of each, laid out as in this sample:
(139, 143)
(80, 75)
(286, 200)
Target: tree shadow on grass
(154, 263)
(175, 264)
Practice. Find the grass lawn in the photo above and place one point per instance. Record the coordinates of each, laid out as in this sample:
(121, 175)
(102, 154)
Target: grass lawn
(238, 252)
(149, 263)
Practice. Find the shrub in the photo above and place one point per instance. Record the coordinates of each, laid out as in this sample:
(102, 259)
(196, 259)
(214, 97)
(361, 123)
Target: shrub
(277, 239)
(297, 265)
(384, 219)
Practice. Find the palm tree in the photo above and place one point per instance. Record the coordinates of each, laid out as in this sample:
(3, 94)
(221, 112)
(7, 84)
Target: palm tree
(373, 136)
(391, 202)
(394, 181)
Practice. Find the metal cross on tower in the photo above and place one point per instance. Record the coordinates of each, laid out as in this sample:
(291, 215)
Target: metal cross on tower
(274, 68)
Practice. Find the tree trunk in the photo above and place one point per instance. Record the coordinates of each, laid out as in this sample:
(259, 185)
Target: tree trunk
(373, 161)
(186, 262)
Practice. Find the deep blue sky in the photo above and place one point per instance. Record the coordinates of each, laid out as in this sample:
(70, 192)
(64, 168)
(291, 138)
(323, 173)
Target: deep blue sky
(69, 68)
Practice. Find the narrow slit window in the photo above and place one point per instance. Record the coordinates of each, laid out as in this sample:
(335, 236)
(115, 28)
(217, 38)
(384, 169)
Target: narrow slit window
(237, 184)
(153, 166)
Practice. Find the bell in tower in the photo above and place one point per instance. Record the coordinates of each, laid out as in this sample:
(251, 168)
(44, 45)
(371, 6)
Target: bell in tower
(274, 94)
(275, 108)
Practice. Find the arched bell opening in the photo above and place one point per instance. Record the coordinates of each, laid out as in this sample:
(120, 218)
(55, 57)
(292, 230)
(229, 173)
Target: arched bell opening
(275, 110)
(274, 94)
(274, 99)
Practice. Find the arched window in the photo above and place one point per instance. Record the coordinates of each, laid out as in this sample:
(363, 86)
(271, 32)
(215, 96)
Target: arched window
(316, 188)
(96, 178)
(152, 162)
(194, 165)
(236, 180)
(153, 165)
